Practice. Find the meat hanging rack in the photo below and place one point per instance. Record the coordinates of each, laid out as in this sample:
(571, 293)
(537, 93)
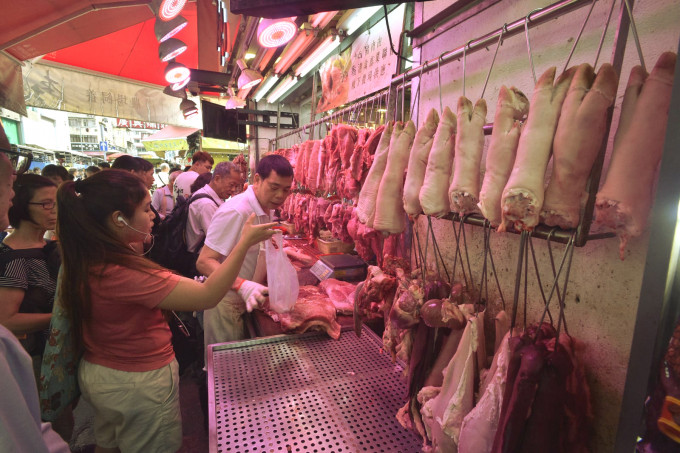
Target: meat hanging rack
(523, 24)
(532, 19)
(378, 97)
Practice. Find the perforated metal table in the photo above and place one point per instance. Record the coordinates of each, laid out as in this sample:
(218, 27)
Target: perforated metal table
(306, 393)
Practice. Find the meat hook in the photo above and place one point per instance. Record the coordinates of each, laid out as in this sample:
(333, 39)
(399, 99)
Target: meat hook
(438, 253)
(635, 35)
(578, 37)
(403, 97)
(518, 279)
(457, 253)
(488, 74)
(417, 96)
(465, 47)
(493, 268)
(568, 251)
(538, 276)
(467, 257)
(439, 73)
(604, 33)
(527, 19)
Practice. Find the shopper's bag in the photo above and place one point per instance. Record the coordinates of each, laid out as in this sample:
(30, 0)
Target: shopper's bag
(282, 279)
(58, 386)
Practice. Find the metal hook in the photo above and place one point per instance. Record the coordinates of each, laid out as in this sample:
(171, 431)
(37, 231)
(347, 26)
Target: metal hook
(578, 38)
(635, 35)
(465, 63)
(488, 74)
(417, 95)
(527, 19)
(604, 32)
(439, 72)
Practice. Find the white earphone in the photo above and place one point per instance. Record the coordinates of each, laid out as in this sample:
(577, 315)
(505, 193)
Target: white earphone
(122, 219)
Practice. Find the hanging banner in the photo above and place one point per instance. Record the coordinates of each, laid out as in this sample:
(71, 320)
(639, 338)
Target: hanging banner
(55, 87)
(335, 81)
(11, 87)
(373, 62)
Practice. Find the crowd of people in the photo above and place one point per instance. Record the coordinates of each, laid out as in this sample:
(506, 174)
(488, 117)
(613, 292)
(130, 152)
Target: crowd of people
(95, 269)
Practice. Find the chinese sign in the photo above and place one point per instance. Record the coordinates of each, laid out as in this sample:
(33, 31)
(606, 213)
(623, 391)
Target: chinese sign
(134, 124)
(55, 87)
(373, 63)
(11, 89)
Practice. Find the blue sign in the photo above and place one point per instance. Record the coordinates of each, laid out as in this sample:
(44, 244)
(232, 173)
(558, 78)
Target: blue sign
(103, 146)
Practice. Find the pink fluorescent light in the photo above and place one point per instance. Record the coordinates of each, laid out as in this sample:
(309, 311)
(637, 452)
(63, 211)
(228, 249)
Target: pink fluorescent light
(275, 32)
(294, 50)
(169, 9)
(320, 20)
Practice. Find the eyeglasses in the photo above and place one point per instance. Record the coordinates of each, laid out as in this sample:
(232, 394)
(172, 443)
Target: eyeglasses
(20, 160)
(47, 205)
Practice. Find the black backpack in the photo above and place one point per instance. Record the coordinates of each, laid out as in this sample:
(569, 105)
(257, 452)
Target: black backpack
(170, 246)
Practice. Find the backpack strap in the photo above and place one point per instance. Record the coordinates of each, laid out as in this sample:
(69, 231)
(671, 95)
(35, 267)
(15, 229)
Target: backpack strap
(199, 196)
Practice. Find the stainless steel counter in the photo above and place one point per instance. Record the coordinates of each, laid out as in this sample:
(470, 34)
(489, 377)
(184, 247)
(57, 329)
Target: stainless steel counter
(306, 393)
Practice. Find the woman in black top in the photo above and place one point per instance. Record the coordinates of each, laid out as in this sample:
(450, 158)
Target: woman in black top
(29, 264)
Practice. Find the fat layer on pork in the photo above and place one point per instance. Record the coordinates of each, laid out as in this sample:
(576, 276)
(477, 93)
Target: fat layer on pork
(434, 194)
(417, 163)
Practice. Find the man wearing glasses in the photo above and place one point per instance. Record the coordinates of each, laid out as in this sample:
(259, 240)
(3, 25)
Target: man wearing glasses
(21, 429)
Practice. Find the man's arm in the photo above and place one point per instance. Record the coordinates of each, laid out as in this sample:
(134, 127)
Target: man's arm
(208, 260)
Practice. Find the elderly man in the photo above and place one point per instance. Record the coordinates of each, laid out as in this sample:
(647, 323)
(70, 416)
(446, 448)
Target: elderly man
(21, 429)
(226, 181)
(271, 187)
(162, 200)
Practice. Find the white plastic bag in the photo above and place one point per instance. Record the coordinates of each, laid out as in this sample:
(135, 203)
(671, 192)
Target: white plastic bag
(282, 279)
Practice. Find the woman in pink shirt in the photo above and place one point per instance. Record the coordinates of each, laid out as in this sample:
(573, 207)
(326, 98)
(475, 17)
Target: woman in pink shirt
(114, 298)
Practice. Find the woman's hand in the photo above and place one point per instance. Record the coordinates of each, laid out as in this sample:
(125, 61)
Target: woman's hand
(254, 234)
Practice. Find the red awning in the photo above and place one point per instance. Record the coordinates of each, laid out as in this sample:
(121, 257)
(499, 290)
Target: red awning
(110, 36)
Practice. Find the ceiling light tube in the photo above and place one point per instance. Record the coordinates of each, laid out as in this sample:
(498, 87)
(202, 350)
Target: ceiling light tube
(293, 51)
(320, 20)
(168, 9)
(351, 21)
(170, 49)
(276, 32)
(265, 87)
(166, 30)
(281, 88)
(317, 56)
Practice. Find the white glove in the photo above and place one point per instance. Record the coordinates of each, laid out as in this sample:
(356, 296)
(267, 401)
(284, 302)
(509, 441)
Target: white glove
(253, 294)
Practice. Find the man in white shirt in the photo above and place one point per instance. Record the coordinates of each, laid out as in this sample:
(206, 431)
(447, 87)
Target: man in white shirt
(162, 178)
(226, 181)
(270, 189)
(201, 162)
(162, 199)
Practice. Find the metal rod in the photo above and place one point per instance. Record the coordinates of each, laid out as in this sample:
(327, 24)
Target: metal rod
(604, 33)
(578, 38)
(534, 18)
(488, 74)
(635, 34)
(332, 116)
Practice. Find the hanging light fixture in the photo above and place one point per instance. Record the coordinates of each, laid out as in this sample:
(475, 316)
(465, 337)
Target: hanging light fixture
(168, 9)
(176, 73)
(179, 85)
(248, 78)
(175, 93)
(188, 108)
(276, 32)
(170, 48)
(235, 102)
(166, 30)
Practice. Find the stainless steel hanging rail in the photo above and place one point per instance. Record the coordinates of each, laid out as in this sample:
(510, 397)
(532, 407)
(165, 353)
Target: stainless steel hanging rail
(516, 27)
(349, 108)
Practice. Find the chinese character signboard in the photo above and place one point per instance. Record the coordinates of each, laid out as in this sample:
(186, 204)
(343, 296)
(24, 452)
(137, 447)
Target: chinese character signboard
(373, 62)
(54, 87)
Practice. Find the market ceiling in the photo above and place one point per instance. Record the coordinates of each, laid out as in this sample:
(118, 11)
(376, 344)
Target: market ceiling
(117, 37)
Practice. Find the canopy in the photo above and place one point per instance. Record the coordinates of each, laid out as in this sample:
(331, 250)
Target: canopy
(169, 138)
